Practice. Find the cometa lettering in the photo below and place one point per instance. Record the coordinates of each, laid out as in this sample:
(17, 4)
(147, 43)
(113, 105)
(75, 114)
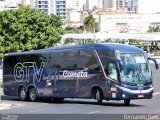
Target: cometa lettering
(71, 74)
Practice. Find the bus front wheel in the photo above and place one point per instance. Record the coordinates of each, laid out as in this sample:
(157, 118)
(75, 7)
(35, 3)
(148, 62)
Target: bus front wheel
(32, 94)
(99, 96)
(23, 94)
(126, 102)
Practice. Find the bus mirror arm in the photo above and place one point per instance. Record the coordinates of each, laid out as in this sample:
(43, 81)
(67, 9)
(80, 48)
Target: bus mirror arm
(121, 65)
(155, 62)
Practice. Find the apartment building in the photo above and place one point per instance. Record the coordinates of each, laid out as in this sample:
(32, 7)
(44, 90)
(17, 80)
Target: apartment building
(111, 4)
(120, 4)
(57, 7)
(60, 8)
(90, 5)
(43, 5)
(144, 6)
(72, 4)
(107, 3)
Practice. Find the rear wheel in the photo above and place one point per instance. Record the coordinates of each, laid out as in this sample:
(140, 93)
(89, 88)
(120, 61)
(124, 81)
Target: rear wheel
(126, 102)
(32, 94)
(23, 94)
(99, 96)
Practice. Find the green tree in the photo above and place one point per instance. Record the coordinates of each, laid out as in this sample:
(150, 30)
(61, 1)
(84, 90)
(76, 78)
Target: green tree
(28, 29)
(154, 28)
(89, 23)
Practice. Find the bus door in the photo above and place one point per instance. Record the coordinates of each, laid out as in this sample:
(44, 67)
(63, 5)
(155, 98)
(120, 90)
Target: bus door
(112, 81)
(110, 69)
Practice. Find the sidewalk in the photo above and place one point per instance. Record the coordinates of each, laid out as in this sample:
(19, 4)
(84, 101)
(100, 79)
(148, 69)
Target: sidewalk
(4, 105)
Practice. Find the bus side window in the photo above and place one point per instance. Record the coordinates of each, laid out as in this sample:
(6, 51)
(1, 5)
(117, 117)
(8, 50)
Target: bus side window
(87, 61)
(112, 71)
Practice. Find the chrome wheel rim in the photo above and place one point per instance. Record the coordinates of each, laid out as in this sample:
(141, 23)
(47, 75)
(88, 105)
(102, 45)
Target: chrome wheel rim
(97, 95)
(23, 94)
(32, 94)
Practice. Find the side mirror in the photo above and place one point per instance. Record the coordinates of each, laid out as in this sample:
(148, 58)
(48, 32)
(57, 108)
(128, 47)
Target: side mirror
(155, 62)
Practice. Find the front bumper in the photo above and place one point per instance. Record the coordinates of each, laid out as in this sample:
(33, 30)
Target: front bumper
(127, 93)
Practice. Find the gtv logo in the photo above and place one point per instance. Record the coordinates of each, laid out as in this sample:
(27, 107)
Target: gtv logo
(22, 71)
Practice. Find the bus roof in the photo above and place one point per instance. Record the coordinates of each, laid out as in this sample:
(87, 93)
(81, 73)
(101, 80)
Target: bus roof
(122, 48)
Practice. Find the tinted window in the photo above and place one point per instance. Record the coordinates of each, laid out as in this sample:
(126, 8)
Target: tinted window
(64, 60)
(87, 61)
(78, 60)
(105, 52)
(112, 71)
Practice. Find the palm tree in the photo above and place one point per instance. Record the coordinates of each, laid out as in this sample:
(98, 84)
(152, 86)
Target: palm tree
(89, 23)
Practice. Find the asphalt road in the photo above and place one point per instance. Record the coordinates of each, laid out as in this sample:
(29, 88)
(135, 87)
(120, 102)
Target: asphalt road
(87, 106)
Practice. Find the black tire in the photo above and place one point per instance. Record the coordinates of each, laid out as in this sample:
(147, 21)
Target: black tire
(58, 100)
(99, 96)
(126, 102)
(33, 94)
(23, 94)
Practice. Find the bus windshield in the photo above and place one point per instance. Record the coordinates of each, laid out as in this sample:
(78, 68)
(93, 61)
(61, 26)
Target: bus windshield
(136, 70)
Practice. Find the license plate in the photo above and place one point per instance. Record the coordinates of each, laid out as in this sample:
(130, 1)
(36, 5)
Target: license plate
(140, 96)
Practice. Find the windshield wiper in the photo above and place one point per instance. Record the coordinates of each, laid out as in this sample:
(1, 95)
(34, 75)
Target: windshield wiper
(140, 75)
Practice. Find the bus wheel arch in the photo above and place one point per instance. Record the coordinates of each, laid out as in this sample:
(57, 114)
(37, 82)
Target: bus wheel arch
(97, 94)
(32, 93)
(127, 102)
(22, 92)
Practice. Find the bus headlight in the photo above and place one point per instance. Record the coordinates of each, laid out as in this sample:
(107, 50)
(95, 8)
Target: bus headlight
(123, 96)
(151, 86)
